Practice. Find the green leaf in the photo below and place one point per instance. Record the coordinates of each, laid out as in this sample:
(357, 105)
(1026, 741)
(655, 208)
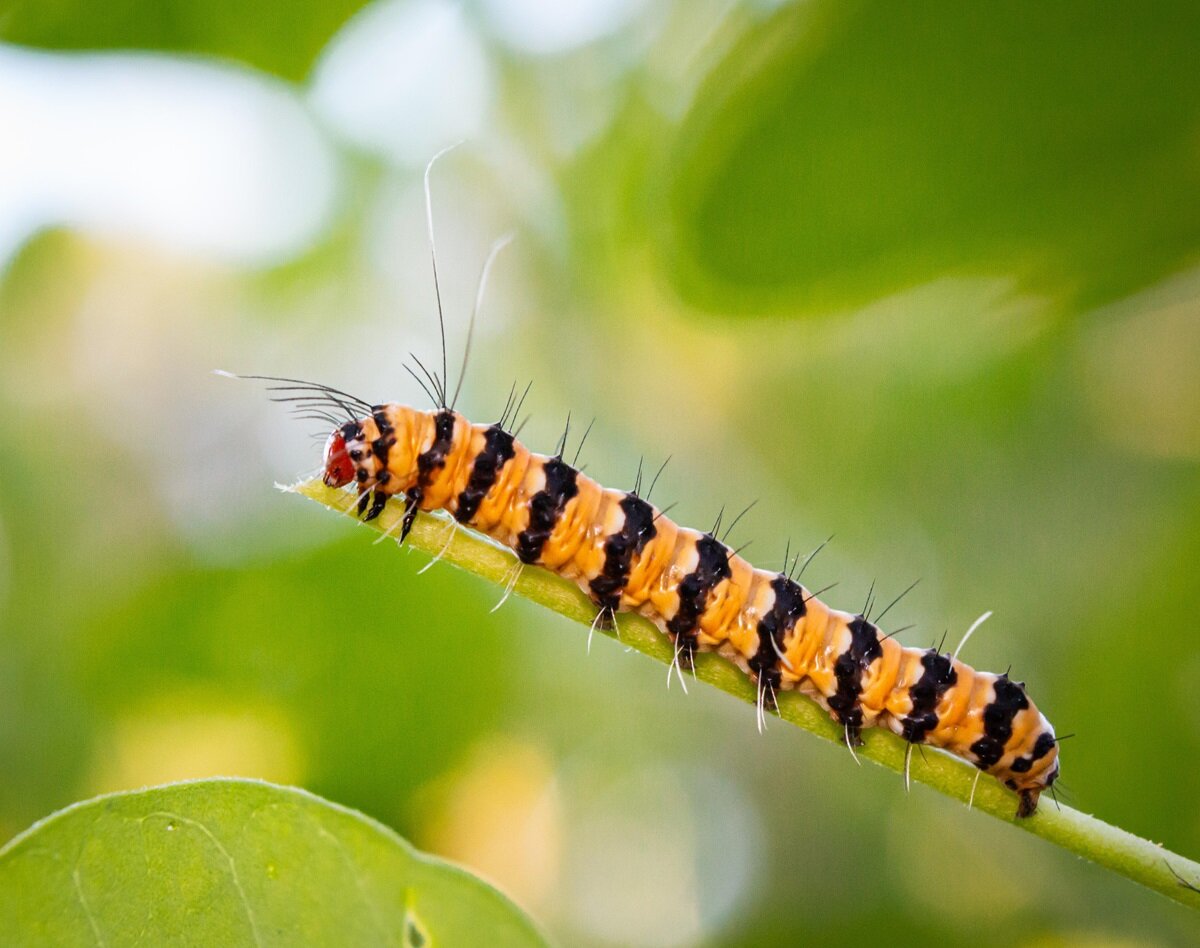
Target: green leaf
(274, 35)
(842, 152)
(237, 862)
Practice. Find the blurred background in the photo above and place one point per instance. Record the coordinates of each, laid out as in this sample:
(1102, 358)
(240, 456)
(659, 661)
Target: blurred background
(921, 276)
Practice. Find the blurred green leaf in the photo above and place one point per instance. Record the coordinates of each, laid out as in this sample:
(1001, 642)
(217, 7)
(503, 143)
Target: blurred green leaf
(220, 862)
(273, 35)
(354, 666)
(841, 153)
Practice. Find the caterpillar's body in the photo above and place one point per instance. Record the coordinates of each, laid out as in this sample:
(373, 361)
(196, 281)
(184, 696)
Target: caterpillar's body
(629, 557)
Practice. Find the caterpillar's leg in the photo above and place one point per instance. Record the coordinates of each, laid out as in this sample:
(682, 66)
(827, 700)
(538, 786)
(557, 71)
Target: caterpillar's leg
(450, 534)
(1028, 805)
(510, 584)
(391, 531)
(907, 765)
(378, 501)
(771, 682)
(853, 739)
(675, 667)
(685, 644)
(852, 723)
(767, 680)
(412, 502)
(606, 618)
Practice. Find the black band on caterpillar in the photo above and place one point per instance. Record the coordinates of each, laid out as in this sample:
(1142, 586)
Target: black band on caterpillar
(546, 507)
(712, 567)
(938, 676)
(773, 628)
(619, 550)
(434, 459)
(848, 669)
(497, 451)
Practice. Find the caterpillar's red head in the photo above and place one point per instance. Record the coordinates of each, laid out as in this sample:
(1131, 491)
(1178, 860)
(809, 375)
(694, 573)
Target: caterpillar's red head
(380, 451)
(339, 468)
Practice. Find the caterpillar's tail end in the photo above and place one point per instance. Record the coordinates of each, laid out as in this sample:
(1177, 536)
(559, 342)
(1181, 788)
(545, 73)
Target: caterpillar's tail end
(1028, 803)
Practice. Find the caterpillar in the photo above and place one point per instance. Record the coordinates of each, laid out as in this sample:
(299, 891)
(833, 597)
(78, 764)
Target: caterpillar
(628, 556)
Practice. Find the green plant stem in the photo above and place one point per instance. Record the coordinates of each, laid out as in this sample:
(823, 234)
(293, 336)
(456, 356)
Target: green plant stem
(1122, 852)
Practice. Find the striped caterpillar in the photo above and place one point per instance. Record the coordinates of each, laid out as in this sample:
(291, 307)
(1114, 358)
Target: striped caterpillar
(628, 556)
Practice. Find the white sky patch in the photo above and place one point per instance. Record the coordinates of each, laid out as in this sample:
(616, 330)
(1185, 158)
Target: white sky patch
(548, 27)
(403, 79)
(194, 157)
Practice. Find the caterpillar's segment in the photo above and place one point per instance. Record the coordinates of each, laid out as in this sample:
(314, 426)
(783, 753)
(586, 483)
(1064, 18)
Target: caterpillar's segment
(492, 450)
(432, 460)
(858, 654)
(627, 556)
(704, 564)
(546, 507)
(934, 676)
(778, 619)
(637, 529)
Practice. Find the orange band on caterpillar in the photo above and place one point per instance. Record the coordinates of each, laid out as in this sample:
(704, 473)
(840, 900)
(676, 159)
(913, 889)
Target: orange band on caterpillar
(629, 557)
